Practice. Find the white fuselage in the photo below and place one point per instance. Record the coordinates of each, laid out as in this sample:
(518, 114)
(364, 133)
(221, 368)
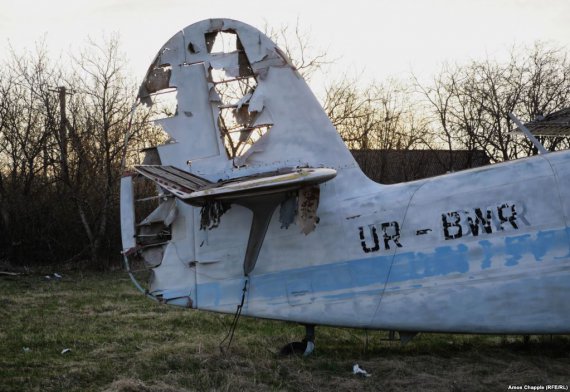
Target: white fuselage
(484, 250)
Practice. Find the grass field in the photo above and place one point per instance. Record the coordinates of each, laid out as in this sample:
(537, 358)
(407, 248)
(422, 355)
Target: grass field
(121, 341)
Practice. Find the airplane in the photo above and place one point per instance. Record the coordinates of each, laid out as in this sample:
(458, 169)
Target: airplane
(264, 212)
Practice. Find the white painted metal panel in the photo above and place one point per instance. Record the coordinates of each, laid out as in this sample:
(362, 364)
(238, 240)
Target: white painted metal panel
(127, 214)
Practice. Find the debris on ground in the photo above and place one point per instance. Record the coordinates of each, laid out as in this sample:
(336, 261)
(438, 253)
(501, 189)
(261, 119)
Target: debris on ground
(65, 351)
(7, 273)
(356, 369)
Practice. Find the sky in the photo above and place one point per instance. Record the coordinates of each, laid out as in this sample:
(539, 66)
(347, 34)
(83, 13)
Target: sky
(373, 39)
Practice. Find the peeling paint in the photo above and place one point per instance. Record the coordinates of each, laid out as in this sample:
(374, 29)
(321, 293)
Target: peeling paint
(288, 212)
(308, 203)
(211, 213)
(484, 250)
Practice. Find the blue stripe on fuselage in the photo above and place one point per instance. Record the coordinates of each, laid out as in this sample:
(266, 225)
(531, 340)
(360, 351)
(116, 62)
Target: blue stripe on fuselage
(367, 276)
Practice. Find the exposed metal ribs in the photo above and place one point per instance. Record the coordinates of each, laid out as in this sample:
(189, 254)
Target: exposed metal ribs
(174, 177)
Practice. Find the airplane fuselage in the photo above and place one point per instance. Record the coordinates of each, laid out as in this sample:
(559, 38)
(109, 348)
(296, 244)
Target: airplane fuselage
(484, 251)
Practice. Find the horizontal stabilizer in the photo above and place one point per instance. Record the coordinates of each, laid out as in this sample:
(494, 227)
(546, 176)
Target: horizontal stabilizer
(196, 190)
(261, 193)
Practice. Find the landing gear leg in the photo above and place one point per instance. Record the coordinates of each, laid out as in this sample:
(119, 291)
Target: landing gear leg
(309, 339)
(306, 347)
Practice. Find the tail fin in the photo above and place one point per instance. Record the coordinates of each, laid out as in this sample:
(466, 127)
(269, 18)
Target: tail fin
(243, 115)
(240, 104)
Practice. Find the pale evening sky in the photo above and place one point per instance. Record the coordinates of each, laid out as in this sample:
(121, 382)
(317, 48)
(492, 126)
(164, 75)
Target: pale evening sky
(374, 39)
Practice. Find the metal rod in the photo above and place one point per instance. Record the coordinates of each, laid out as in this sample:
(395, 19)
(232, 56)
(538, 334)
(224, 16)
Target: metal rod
(233, 79)
(528, 134)
(152, 198)
(134, 280)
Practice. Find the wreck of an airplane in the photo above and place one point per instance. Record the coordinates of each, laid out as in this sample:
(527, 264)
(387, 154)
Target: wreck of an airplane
(264, 212)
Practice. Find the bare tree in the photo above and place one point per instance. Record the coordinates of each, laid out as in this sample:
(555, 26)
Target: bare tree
(470, 103)
(26, 137)
(99, 112)
(296, 43)
(380, 116)
(547, 88)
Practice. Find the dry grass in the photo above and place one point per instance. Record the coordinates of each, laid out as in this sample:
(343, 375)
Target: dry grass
(121, 341)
